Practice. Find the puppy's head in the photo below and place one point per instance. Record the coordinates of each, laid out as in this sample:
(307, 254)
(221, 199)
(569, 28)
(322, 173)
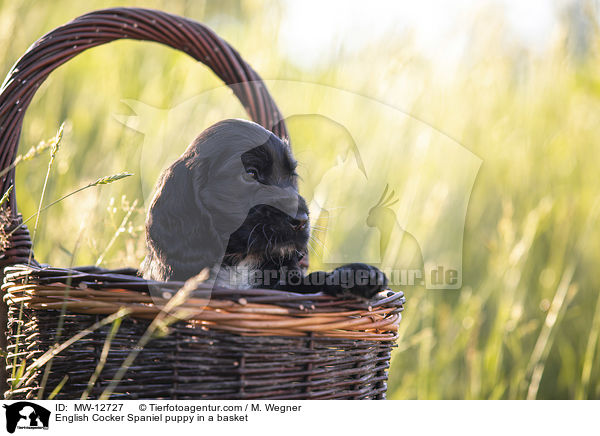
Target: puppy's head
(233, 193)
(276, 227)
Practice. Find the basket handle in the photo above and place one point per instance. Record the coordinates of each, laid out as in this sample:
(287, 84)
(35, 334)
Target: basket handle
(100, 27)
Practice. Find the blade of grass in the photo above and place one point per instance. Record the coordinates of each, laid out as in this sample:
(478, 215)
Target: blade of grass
(120, 230)
(544, 342)
(6, 194)
(103, 358)
(54, 145)
(31, 153)
(590, 351)
(54, 351)
(102, 181)
(19, 374)
(159, 323)
(58, 387)
(61, 318)
(562, 298)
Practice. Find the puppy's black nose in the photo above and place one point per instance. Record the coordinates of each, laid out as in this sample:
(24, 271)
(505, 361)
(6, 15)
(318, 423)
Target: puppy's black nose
(300, 222)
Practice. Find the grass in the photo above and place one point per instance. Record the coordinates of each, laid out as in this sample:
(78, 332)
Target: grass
(525, 323)
(169, 314)
(20, 371)
(26, 371)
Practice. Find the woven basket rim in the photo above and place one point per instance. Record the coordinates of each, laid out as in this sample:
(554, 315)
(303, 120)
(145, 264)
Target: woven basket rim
(256, 312)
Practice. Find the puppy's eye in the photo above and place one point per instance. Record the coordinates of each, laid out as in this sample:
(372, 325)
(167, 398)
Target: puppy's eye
(252, 172)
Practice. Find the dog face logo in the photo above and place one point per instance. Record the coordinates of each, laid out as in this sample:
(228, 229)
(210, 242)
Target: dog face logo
(24, 414)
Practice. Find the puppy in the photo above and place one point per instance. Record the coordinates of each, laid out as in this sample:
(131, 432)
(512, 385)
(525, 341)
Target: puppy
(230, 203)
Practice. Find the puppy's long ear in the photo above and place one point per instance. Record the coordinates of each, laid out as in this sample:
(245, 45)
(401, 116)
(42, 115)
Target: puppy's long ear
(179, 233)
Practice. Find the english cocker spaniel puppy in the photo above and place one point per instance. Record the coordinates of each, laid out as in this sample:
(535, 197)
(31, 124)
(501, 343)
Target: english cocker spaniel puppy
(230, 203)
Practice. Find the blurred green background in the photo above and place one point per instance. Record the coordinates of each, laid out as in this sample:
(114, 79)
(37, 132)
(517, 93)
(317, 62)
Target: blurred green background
(517, 88)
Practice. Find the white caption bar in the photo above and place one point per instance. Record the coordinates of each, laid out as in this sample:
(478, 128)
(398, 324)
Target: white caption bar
(305, 418)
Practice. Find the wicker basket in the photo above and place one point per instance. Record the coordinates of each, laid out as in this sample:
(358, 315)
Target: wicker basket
(239, 344)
